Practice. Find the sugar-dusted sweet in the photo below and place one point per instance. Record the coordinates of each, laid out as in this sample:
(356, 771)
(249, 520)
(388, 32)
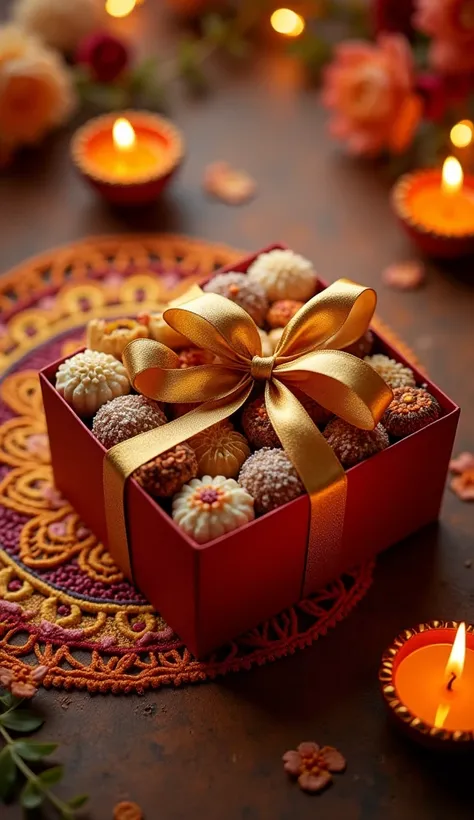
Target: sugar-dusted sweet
(165, 474)
(270, 478)
(352, 445)
(209, 507)
(284, 274)
(280, 313)
(411, 409)
(90, 379)
(257, 425)
(394, 373)
(113, 337)
(125, 417)
(240, 289)
(220, 450)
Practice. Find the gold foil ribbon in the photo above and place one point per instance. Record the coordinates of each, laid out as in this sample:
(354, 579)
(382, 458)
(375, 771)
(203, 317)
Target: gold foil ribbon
(308, 357)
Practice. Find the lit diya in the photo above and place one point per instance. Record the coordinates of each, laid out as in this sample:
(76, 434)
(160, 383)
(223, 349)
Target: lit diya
(427, 680)
(436, 208)
(129, 158)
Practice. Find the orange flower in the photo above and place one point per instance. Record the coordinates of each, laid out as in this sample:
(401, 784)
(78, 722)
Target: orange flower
(22, 681)
(36, 92)
(463, 482)
(370, 90)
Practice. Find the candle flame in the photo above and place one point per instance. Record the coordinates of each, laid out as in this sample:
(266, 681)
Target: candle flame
(123, 134)
(455, 664)
(120, 8)
(461, 134)
(286, 21)
(452, 176)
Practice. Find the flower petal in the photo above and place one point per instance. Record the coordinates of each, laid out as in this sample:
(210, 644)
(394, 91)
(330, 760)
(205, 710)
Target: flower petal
(6, 676)
(335, 761)
(314, 783)
(308, 748)
(462, 462)
(463, 487)
(39, 673)
(292, 763)
(23, 690)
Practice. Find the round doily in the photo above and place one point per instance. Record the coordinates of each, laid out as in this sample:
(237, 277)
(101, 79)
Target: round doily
(63, 602)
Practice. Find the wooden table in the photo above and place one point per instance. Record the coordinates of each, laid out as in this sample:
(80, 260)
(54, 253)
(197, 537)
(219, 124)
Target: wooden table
(213, 751)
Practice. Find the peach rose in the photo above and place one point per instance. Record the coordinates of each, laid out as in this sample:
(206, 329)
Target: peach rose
(370, 90)
(36, 92)
(450, 24)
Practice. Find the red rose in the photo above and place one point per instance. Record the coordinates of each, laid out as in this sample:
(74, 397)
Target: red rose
(104, 55)
(393, 16)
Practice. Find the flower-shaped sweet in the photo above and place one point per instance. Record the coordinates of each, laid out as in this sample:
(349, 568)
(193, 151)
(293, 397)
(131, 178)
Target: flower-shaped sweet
(313, 765)
(369, 87)
(209, 507)
(113, 337)
(220, 450)
(90, 379)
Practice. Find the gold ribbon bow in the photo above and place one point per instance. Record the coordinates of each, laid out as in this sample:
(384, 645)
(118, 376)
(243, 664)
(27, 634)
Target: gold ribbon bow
(308, 357)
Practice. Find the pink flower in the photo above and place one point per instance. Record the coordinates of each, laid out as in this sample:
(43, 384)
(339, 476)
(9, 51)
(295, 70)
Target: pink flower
(22, 681)
(451, 25)
(393, 16)
(312, 765)
(370, 90)
(105, 56)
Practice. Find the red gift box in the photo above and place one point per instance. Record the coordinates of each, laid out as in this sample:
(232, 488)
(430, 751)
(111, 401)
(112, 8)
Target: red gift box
(211, 593)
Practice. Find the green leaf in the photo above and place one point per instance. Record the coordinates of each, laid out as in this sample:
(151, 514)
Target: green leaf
(34, 751)
(216, 29)
(9, 701)
(31, 797)
(189, 64)
(7, 773)
(143, 74)
(313, 51)
(107, 97)
(21, 720)
(52, 776)
(77, 802)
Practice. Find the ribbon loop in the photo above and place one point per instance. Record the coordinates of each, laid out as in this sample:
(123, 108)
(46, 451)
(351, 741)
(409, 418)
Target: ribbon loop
(307, 358)
(261, 367)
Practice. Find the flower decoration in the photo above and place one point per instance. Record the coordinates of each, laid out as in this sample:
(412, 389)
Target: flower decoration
(450, 24)
(313, 766)
(36, 92)
(404, 275)
(369, 87)
(22, 681)
(60, 24)
(463, 482)
(105, 56)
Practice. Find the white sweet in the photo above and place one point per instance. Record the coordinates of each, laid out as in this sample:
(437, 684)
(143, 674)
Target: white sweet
(284, 275)
(209, 507)
(90, 379)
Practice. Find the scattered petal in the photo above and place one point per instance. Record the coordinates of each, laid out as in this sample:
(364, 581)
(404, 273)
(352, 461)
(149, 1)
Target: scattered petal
(127, 811)
(314, 782)
(292, 763)
(404, 275)
(232, 186)
(22, 690)
(334, 760)
(22, 680)
(463, 485)
(6, 677)
(39, 672)
(462, 462)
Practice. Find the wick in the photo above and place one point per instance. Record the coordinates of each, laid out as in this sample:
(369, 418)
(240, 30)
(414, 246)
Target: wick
(451, 681)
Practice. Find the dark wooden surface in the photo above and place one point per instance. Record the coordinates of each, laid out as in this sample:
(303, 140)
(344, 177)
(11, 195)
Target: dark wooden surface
(214, 750)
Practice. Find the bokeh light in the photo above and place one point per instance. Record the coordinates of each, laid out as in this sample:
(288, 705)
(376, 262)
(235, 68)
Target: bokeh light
(461, 134)
(286, 21)
(119, 8)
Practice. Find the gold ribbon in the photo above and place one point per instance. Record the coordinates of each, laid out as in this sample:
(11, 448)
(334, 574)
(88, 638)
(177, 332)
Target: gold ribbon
(308, 357)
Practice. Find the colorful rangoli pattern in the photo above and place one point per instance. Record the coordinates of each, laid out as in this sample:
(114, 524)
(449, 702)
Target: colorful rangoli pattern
(63, 602)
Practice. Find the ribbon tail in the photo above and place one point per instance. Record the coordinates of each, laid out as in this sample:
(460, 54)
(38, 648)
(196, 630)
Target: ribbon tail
(323, 477)
(123, 459)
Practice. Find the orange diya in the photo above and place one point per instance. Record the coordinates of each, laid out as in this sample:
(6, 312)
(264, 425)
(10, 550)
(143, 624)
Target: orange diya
(436, 208)
(427, 679)
(129, 158)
